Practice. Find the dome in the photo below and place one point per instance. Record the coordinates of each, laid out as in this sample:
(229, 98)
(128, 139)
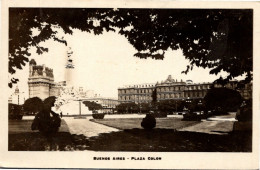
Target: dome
(32, 62)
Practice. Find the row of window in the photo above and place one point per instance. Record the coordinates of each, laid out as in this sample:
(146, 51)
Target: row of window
(164, 89)
(169, 96)
(135, 91)
(195, 94)
(147, 97)
(165, 96)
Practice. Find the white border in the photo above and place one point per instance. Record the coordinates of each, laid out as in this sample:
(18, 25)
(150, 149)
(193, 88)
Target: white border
(78, 159)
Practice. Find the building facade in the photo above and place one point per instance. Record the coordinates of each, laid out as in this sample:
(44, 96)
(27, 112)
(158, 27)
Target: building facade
(17, 97)
(172, 89)
(108, 104)
(41, 81)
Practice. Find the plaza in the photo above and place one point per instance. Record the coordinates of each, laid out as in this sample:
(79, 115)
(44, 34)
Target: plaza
(125, 132)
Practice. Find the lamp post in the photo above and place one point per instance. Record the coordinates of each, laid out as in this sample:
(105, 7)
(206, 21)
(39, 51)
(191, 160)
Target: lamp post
(200, 105)
(176, 106)
(79, 107)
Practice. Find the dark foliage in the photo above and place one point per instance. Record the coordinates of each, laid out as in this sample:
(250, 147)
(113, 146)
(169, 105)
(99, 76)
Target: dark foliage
(159, 114)
(222, 100)
(98, 115)
(244, 113)
(133, 108)
(149, 122)
(191, 116)
(195, 105)
(33, 105)
(219, 39)
(170, 106)
(128, 108)
(49, 101)
(15, 112)
(92, 105)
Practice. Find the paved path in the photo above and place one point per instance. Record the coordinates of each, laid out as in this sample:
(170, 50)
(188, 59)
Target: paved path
(211, 127)
(86, 127)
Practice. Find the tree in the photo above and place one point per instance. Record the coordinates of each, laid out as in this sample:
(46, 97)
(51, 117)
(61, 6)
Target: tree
(49, 101)
(128, 107)
(33, 105)
(15, 111)
(92, 105)
(222, 99)
(219, 39)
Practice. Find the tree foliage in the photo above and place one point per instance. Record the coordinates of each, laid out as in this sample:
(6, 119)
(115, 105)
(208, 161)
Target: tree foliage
(222, 99)
(128, 107)
(49, 101)
(34, 104)
(219, 39)
(170, 106)
(92, 105)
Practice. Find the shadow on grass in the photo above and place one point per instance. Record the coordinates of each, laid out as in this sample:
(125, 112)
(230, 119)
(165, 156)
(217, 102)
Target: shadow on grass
(166, 140)
(156, 140)
(35, 141)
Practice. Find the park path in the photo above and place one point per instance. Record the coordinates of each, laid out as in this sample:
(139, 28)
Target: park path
(86, 127)
(222, 124)
(211, 127)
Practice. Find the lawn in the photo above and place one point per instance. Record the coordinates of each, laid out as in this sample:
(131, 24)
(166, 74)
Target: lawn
(165, 140)
(131, 123)
(22, 138)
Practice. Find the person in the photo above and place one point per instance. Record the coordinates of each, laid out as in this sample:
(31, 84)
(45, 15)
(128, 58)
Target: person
(60, 114)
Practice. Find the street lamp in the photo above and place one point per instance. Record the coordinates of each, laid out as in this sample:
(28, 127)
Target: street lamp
(79, 106)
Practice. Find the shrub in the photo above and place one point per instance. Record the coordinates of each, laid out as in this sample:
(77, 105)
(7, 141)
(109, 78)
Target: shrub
(191, 116)
(160, 114)
(148, 122)
(220, 112)
(222, 99)
(15, 112)
(244, 113)
(98, 115)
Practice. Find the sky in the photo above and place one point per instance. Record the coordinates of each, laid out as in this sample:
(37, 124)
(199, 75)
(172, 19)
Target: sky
(105, 62)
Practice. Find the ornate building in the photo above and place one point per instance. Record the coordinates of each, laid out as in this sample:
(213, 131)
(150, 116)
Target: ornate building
(41, 81)
(172, 89)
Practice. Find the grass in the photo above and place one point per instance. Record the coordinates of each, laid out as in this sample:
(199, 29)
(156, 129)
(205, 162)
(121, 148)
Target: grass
(131, 123)
(22, 138)
(164, 138)
(35, 141)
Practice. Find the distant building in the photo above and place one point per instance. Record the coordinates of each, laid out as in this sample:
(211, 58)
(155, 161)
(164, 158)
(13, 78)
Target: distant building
(171, 89)
(17, 97)
(141, 93)
(41, 81)
(108, 104)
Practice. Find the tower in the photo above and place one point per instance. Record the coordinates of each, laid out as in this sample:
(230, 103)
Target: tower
(41, 81)
(69, 69)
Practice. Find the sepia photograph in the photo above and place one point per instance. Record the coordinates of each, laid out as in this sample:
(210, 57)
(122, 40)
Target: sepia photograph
(135, 80)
